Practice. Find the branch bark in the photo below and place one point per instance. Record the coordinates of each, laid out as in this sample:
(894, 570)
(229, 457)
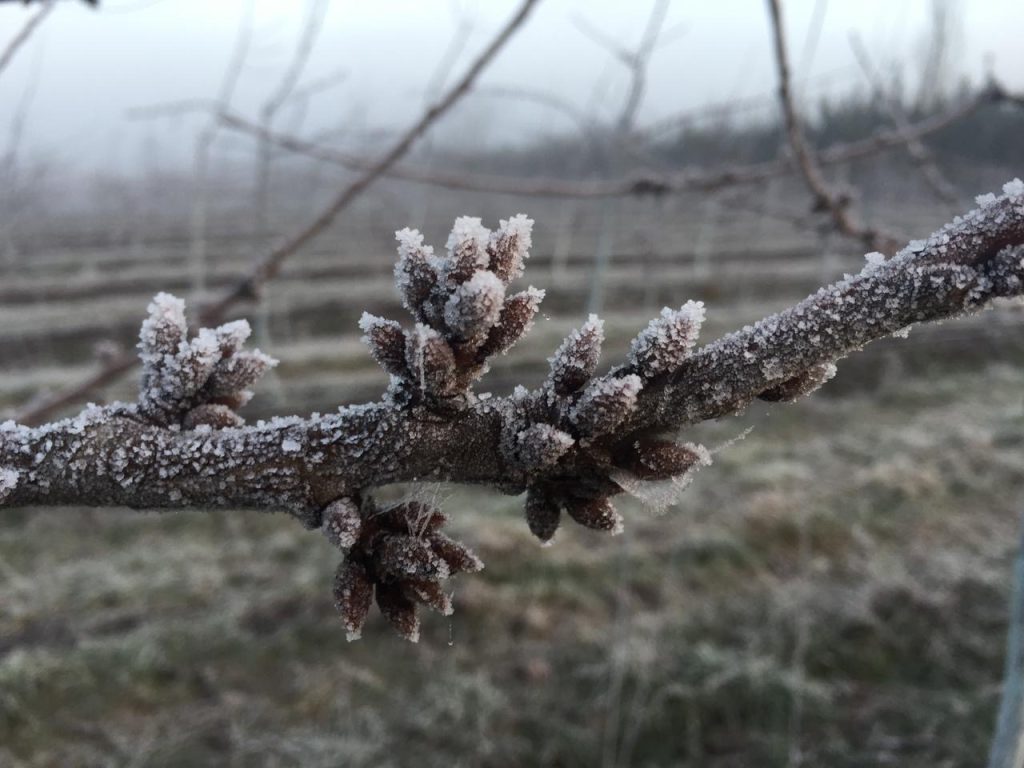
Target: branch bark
(112, 456)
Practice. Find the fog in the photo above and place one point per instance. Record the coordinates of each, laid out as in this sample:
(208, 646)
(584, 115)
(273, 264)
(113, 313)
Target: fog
(69, 93)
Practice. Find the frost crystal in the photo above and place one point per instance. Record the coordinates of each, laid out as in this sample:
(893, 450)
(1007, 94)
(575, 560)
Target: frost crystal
(467, 249)
(8, 481)
(1014, 188)
(541, 446)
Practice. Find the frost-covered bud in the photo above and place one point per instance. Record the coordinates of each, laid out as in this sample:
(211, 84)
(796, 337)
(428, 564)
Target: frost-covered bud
(802, 384)
(164, 328)
(475, 306)
(431, 362)
(404, 557)
(605, 404)
(510, 247)
(459, 557)
(213, 415)
(540, 446)
(651, 458)
(543, 514)
(415, 274)
(233, 376)
(575, 360)
(386, 342)
(196, 364)
(342, 523)
(353, 595)
(467, 249)
(399, 610)
(667, 340)
(597, 514)
(515, 322)
(429, 593)
(231, 336)
(413, 517)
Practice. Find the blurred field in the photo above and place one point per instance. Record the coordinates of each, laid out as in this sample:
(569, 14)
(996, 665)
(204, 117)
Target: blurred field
(832, 591)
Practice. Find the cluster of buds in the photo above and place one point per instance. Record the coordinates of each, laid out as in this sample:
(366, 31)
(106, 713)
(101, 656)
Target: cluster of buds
(461, 308)
(199, 381)
(576, 409)
(396, 554)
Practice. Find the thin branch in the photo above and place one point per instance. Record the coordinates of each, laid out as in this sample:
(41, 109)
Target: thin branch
(702, 180)
(921, 156)
(825, 198)
(25, 33)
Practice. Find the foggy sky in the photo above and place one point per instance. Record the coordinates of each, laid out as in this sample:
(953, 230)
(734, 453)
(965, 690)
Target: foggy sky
(83, 70)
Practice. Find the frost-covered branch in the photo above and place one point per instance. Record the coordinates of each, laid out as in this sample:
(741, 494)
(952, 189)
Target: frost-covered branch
(572, 444)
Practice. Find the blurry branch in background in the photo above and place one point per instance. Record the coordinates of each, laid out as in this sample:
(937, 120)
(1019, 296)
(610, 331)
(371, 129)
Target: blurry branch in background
(267, 267)
(827, 199)
(636, 184)
(25, 33)
(919, 154)
(203, 148)
(269, 111)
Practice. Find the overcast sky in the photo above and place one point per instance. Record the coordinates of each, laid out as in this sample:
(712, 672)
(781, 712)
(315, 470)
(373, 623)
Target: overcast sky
(84, 70)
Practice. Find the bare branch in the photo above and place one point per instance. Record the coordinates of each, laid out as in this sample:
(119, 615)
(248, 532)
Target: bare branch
(25, 33)
(921, 156)
(825, 198)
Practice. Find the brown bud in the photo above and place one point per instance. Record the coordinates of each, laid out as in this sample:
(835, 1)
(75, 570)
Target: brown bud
(802, 384)
(399, 610)
(474, 307)
(515, 322)
(429, 593)
(213, 415)
(543, 514)
(606, 404)
(509, 247)
(667, 340)
(652, 458)
(575, 360)
(415, 275)
(400, 557)
(431, 362)
(386, 342)
(232, 376)
(467, 252)
(598, 514)
(460, 559)
(540, 446)
(353, 594)
(342, 523)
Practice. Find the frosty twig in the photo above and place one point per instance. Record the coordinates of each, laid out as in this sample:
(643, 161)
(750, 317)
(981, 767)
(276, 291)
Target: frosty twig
(572, 444)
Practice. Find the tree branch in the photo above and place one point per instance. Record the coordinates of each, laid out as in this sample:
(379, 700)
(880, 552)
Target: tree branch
(572, 444)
